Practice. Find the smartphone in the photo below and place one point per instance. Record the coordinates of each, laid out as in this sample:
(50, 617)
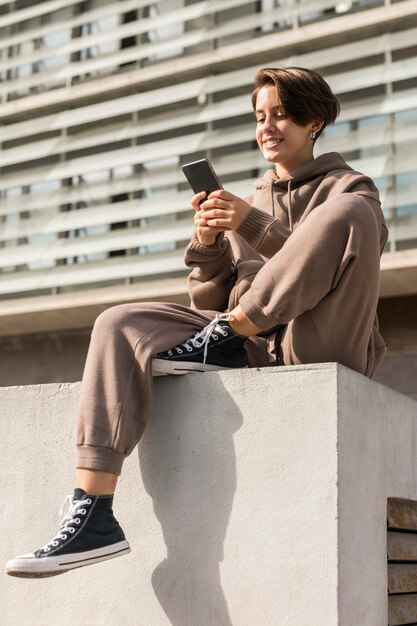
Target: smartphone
(201, 176)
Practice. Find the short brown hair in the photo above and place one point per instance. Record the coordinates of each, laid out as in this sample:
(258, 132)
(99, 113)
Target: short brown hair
(304, 94)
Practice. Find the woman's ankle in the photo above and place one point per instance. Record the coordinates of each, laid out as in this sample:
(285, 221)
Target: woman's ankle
(96, 482)
(240, 323)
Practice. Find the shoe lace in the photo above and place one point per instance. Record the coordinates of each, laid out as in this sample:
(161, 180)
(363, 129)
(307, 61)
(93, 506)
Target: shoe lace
(202, 337)
(68, 514)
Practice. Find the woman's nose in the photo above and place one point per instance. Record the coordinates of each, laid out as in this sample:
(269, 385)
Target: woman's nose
(269, 123)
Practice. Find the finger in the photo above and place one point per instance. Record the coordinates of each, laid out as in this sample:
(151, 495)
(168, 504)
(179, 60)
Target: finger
(220, 193)
(214, 213)
(199, 215)
(216, 204)
(197, 199)
(200, 223)
(218, 223)
(211, 229)
(198, 196)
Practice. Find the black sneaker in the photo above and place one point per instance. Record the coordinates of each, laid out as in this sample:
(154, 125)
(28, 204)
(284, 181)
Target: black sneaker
(89, 534)
(215, 347)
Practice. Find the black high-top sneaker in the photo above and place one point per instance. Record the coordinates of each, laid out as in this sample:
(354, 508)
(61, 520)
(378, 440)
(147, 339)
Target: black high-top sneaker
(215, 347)
(89, 534)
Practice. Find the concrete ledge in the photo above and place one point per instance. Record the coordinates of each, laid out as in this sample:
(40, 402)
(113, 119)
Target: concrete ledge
(261, 501)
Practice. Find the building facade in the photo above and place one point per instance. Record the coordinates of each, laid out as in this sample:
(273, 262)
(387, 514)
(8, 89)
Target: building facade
(102, 101)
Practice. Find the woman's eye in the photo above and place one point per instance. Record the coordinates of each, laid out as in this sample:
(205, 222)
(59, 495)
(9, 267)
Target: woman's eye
(278, 117)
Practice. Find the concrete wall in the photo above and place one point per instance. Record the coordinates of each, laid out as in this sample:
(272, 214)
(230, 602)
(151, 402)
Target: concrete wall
(260, 500)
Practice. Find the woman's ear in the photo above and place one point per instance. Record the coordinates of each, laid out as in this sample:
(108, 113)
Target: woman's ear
(317, 126)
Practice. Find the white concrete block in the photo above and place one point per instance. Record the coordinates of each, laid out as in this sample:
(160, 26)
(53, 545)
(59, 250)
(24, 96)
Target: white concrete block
(259, 500)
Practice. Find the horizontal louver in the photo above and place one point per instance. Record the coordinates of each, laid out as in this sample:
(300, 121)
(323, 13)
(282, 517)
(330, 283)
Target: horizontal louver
(100, 108)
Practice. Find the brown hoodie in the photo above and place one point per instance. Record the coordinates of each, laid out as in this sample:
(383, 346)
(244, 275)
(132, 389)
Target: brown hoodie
(221, 273)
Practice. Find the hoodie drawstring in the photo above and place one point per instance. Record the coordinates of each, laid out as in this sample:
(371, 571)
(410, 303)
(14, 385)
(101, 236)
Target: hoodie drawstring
(289, 205)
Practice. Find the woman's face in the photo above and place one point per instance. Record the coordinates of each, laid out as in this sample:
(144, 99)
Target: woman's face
(281, 140)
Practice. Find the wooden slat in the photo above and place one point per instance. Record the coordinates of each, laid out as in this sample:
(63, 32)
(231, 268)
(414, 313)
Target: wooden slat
(402, 578)
(402, 609)
(402, 546)
(402, 514)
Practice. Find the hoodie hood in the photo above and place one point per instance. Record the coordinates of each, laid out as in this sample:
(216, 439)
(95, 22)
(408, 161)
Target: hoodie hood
(322, 165)
(290, 198)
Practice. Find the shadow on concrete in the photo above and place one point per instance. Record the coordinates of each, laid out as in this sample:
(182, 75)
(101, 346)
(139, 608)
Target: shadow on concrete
(188, 468)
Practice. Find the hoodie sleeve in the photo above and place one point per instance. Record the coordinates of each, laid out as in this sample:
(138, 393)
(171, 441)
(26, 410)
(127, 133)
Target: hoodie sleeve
(266, 234)
(366, 187)
(212, 273)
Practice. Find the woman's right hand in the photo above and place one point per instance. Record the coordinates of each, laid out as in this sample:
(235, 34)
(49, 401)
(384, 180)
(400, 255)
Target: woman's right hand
(206, 235)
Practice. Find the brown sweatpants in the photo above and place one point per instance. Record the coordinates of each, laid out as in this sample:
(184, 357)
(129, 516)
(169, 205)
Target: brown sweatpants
(320, 289)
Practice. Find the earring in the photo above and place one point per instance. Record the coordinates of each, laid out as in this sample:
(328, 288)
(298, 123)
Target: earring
(313, 134)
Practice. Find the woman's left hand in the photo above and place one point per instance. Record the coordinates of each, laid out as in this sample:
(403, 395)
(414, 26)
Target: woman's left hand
(224, 210)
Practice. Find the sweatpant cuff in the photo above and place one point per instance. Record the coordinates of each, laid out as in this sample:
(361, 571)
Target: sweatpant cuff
(100, 459)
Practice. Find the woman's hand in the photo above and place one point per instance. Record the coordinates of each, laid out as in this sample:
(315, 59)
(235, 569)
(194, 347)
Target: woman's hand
(206, 235)
(220, 212)
(223, 210)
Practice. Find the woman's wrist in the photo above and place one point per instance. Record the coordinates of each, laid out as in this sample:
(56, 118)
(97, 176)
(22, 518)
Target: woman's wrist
(207, 239)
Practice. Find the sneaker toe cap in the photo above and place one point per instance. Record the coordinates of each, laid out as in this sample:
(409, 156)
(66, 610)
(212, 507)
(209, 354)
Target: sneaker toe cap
(23, 557)
(20, 561)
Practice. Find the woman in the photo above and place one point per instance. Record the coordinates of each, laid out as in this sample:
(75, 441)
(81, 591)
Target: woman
(288, 276)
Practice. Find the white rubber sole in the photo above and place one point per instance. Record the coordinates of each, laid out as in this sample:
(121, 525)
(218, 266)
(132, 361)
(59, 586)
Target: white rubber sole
(161, 367)
(30, 566)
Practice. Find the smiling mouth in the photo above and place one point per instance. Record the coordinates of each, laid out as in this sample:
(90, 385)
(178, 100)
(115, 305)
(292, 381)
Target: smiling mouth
(272, 143)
